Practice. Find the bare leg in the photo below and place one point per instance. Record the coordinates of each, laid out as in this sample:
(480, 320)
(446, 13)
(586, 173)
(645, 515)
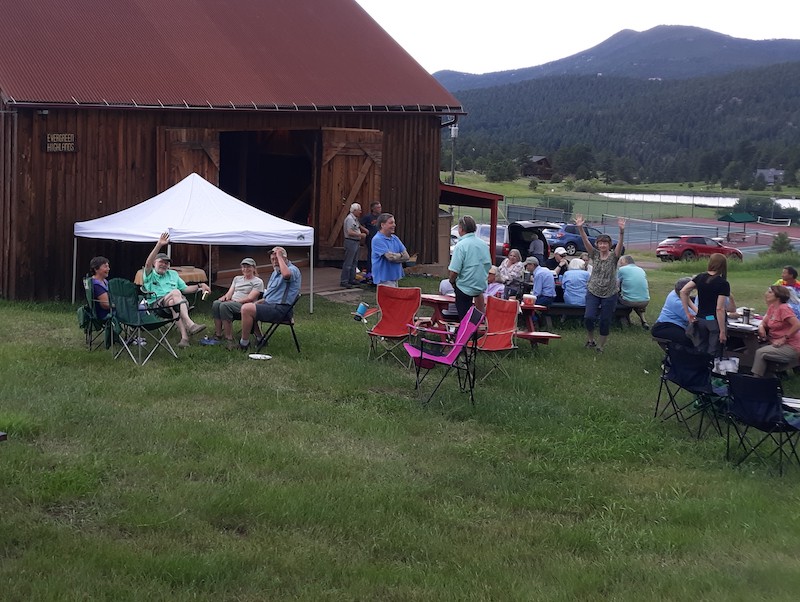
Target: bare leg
(219, 327)
(480, 304)
(227, 329)
(248, 317)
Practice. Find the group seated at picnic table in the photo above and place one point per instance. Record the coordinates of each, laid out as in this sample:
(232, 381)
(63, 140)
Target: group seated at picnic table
(700, 313)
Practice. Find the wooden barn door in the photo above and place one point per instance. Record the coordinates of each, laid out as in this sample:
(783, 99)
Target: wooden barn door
(181, 152)
(350, 172)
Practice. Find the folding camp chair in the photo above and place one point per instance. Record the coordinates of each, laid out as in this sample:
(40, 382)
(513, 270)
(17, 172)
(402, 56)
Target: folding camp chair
(137, 325)
(458, 355)
(756, 404)
(397, 307)
(498, 340)
(685, 370)
(286, 320)
(97, 331)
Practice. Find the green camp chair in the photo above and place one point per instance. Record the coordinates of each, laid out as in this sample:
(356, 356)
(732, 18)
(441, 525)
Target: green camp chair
(96, 330)
(138, 325)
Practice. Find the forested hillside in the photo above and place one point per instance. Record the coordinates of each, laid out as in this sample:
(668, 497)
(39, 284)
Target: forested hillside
(707, 128)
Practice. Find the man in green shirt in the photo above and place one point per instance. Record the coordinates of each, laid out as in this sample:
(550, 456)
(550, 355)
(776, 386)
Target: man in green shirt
(169, 288)
(469, 267)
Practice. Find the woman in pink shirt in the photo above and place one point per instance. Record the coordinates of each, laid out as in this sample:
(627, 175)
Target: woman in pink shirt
(780, 328)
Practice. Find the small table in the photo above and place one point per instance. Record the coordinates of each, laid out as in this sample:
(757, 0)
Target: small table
(530, 311)
(439, 303)
(188, 273)
(742, 342)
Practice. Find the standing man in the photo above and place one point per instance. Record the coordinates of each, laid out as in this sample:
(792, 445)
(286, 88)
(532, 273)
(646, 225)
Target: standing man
(276, 306)
(469, 267)
(388, 253)
(353, 236)
(634, 291)
(370, 223)
(536, 249)
(169, 289)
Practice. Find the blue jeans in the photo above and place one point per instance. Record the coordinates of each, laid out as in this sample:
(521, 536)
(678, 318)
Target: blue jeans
(599, 309)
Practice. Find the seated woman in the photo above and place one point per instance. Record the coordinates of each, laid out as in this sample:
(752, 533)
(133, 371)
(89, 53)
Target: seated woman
(780, 328)
(672, 323)
(574, 283)
(99, 268)
(493, 287)
(510, 273)
(246, 288)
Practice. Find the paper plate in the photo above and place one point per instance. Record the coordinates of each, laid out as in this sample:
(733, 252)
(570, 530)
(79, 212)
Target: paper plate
(259, 356)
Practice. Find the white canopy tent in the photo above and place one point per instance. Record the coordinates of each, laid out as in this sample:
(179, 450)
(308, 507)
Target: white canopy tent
(195, 211)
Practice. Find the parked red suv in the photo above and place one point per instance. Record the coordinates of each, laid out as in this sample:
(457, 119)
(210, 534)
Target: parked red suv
(691, 247)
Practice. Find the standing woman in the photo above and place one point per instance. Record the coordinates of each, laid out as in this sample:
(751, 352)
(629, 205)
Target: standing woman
(602, 288)
(707, 329)
(100, 269)
(780, 327)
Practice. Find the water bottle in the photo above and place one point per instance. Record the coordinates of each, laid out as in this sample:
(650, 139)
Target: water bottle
(143, 305)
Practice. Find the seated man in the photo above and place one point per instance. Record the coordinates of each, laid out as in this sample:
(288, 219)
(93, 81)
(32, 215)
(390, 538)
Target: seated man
(789, 280)
(276, 306)
(244, 289)
(634, 291)
(544, 284)
(168, 288)
(558, 263)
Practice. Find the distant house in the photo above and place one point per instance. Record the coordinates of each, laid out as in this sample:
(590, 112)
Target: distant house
(296, 107)
(771, 175)
(539, 167)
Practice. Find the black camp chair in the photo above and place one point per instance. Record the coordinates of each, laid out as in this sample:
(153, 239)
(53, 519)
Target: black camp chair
(136, 325)
(686, 391)
(286, 320)
(756, 405)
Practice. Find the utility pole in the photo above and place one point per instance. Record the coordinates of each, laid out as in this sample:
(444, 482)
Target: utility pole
(453, 136)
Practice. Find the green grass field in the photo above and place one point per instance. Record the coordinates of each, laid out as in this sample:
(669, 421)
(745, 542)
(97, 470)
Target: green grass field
(318, 476)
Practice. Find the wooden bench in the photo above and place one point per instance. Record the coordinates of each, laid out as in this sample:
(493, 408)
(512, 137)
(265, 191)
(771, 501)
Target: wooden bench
(737, 237)
(565, 310)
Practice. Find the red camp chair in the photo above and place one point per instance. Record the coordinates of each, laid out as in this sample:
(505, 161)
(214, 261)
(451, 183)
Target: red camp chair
(498, 340)
(397, 308)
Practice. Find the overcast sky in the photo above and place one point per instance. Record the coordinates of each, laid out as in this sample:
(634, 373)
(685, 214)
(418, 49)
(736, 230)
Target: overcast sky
(480, 36)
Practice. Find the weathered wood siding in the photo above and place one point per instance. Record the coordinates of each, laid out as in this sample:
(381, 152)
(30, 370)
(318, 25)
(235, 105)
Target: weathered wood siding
(114, 167)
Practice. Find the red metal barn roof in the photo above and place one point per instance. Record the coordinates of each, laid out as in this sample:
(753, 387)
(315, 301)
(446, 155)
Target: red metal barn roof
(265, 54)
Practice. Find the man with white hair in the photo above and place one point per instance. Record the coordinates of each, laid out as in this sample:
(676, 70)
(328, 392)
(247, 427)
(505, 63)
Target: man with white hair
(169, 289)
(354, 233)
(276, 306)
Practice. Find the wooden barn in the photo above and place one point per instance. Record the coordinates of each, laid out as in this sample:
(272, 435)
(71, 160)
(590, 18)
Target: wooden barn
(297, 107)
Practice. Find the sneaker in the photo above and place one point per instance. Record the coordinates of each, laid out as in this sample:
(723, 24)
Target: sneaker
(598, 349)
(210, 340)
(645, 325)
(195, 328)
(183, 343)
(345, 285)
(590, 344)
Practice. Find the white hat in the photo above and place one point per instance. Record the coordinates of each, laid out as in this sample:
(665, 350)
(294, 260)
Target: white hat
(561, 251)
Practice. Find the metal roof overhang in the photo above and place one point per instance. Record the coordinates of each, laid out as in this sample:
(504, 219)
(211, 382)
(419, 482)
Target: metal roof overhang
(231, 106)
(450, 194)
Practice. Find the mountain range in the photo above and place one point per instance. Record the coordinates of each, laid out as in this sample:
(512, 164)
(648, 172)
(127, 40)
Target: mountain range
(663, 52)
(668, 104)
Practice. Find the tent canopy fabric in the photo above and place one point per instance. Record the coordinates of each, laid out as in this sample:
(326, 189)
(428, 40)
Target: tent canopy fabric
(738, 218)
(194, 211)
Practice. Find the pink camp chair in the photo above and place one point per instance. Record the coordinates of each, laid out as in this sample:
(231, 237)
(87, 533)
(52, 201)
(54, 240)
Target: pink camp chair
(498, 340)
(457, 355)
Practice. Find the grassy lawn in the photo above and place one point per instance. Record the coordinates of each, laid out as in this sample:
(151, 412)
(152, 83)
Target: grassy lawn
(317, 476)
